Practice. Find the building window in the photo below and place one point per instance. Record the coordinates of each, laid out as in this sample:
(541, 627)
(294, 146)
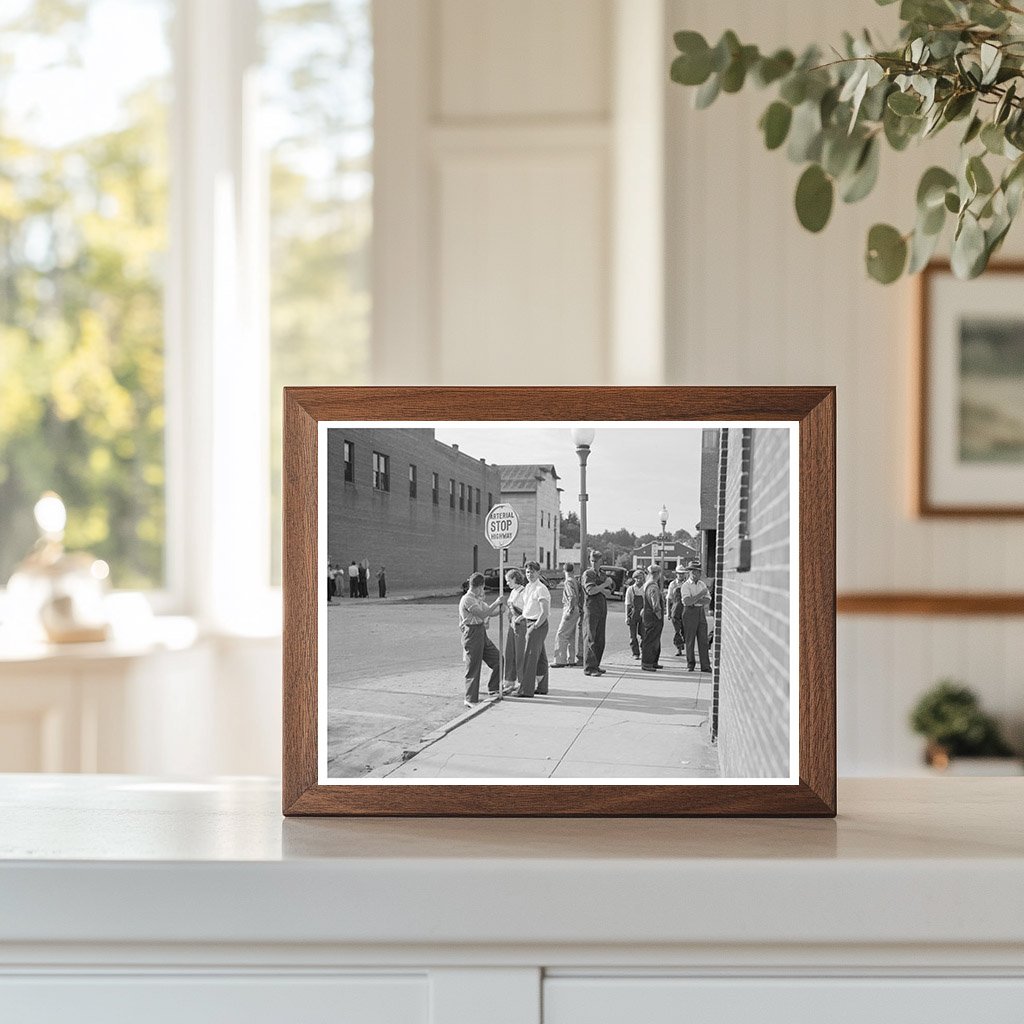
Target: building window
(435, 488)
(412, 481)
(381, 474)
(490, 501)
(746, 453)
(451, 494)
(478, 501)
(462, 497)
(348, 454)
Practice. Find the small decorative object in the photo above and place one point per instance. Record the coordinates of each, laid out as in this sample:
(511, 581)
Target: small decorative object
(950, 717)
(957, 62)
(54, 594)
(405, 706)
(970, 451)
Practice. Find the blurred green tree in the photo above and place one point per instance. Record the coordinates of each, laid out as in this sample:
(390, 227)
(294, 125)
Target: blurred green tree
(82, 232)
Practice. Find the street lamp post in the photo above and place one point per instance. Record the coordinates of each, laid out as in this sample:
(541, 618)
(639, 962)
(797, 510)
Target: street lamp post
(583, 438)
(663, 517)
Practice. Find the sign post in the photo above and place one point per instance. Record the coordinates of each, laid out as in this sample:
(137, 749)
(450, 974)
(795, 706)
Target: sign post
(501, 524)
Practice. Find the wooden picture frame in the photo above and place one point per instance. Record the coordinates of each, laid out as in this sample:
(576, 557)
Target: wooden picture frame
(809, 414)
(953, 475)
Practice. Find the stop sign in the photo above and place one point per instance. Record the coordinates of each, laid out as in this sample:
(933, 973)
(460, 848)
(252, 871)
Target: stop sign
(501, 526)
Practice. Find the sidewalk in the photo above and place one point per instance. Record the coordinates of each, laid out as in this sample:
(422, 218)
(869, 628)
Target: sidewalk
(625, 724)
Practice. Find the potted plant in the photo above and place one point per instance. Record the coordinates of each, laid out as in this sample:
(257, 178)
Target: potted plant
(950, 717)
(955, 62)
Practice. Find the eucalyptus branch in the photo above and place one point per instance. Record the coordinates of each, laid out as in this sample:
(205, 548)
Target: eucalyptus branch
(833, 118)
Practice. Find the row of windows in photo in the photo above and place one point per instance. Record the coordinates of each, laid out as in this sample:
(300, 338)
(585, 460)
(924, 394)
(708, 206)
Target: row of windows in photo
(468, 497)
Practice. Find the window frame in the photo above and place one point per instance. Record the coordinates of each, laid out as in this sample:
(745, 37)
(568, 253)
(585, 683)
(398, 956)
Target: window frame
(381, 464)
(348, 455)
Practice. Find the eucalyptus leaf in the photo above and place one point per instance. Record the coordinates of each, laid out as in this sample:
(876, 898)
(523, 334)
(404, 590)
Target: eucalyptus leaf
(978, 176)
(973, 129)
(794, 88)
(865, 174)
(771, 69)
(805, 133)
(952, 202)
(993, 138)
(886, 253)
(922, 248)
(903, 103)
(707, 93)
(991, 61)
(814, 195)
(931, 190)
(968, 247)
(724, 51)
(775, 124)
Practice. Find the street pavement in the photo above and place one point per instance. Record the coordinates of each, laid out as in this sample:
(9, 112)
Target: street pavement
(624, 724)
(394, 674)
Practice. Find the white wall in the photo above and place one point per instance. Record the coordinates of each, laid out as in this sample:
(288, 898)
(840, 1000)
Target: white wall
(754, 299)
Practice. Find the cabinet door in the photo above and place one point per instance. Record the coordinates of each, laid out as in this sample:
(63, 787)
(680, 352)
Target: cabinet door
(661, 1000)
(205, 999)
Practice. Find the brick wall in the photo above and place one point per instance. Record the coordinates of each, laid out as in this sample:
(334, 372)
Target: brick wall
(423, 545)
(753, 647)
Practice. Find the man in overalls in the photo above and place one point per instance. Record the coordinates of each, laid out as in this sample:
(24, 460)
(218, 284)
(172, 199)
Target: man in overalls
(653, 620)
(634, 606)
(596, 588)
(675, 607)
(565, 638)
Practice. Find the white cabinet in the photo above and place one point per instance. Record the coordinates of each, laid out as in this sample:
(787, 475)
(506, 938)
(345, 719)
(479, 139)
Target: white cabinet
(131, 898)
(824, 1000)
(241, 999)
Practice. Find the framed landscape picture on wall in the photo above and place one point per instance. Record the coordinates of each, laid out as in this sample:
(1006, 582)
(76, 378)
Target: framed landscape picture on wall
(559, 601)
(970, 451)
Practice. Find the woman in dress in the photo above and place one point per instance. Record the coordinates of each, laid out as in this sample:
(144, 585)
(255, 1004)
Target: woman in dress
(515, 640)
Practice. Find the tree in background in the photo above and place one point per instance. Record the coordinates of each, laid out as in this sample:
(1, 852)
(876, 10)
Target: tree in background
(82, 232)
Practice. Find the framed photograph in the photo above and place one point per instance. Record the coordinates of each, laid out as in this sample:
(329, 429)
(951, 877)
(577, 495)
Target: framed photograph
(559, 601)
(970, 450)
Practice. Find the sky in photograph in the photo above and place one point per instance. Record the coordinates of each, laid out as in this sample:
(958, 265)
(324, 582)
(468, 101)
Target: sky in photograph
(631, 473)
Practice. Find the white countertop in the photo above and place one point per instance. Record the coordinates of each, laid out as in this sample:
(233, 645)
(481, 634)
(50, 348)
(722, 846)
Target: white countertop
(120, 859)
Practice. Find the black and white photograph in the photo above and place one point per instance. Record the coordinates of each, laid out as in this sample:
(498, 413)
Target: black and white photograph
(557, 602)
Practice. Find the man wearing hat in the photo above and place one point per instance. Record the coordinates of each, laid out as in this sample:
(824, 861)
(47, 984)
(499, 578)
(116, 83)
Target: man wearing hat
(596, 589)
(696, 598)
(675, 606)
(652, 621)
(634, 605)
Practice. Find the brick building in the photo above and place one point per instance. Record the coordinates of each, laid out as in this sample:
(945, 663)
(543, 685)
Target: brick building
(534, 493)
(752, 573)
(707, 528)
(402, 499)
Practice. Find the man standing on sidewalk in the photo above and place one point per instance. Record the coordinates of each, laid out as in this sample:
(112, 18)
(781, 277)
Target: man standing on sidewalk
(653, 620)
(353, 579)
(675, 607)
(696, 601)
(536, 609)
(477, 648)
(634, 606)
(596, 588)
(565, 639)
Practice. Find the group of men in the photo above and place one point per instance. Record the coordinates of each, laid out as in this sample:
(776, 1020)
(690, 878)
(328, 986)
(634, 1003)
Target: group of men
(358, 576)
(686, 605)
